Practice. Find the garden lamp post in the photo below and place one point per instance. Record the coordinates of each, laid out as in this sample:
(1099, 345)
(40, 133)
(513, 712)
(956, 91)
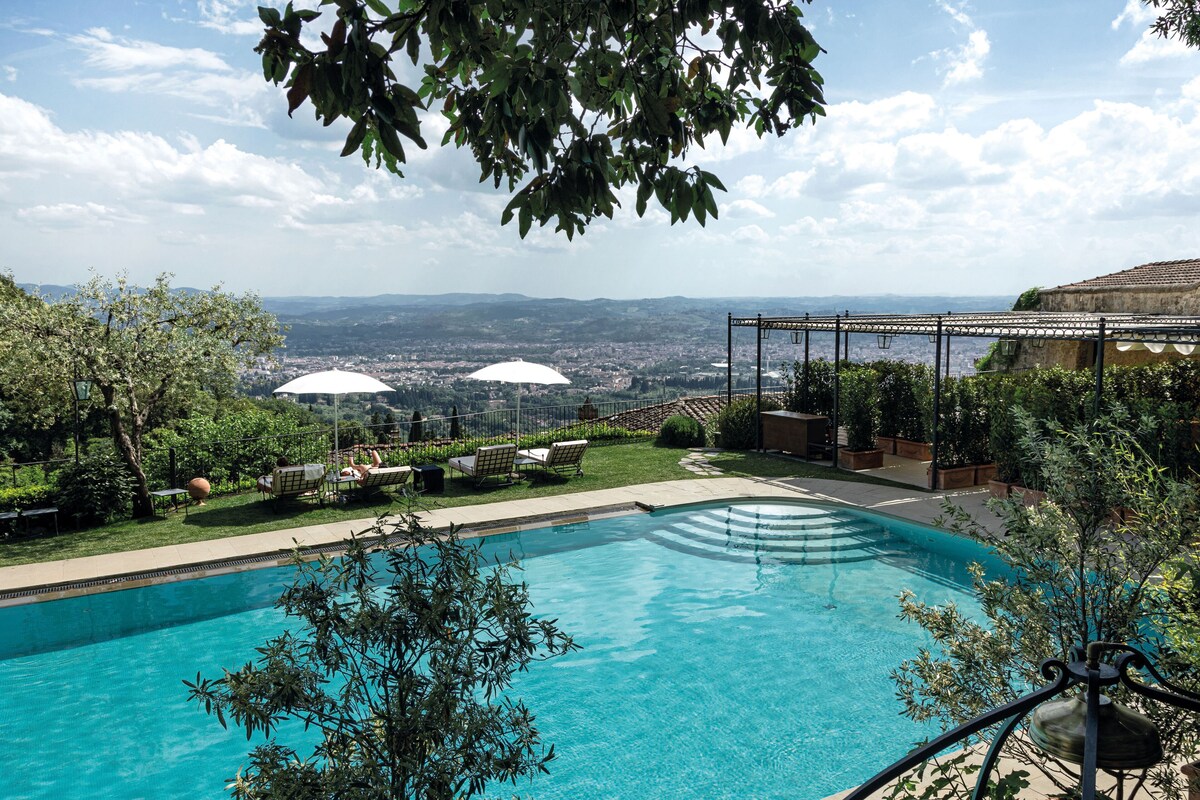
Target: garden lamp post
(1087, 729)
(82, 390)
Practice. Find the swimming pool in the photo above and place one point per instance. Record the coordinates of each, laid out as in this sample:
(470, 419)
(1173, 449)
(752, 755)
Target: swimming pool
(728, 652)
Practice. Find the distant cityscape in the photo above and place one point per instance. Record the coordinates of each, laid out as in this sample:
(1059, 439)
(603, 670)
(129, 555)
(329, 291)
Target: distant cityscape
(652, 349)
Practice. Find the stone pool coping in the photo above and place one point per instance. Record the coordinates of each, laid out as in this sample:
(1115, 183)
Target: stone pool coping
(56, 579)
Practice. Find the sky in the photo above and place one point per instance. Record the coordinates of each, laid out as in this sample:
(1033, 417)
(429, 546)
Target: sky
(969, 149)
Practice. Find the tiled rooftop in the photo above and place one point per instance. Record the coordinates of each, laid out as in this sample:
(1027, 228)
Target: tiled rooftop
(1185, 272)
(651, 418)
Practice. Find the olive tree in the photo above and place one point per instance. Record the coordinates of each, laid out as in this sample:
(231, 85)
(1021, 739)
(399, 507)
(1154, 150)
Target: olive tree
(143, 349)
(1074, 576)
(561, 101)
(401, 661)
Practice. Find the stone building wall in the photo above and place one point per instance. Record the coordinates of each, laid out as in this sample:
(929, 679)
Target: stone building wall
(1180, 300)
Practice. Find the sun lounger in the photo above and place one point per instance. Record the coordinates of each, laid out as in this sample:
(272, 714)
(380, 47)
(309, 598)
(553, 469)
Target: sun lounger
(380, 478)
(493, 461)
(301, 480)
(561, 457)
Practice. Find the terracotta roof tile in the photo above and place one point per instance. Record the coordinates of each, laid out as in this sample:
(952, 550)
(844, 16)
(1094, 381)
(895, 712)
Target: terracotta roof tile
(1184, 272)
(651, 418)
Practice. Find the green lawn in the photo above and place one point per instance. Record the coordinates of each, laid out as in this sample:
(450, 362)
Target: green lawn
(236, 515)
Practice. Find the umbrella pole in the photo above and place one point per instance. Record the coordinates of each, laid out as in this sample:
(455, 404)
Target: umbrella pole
(337, 459)
(518, 416)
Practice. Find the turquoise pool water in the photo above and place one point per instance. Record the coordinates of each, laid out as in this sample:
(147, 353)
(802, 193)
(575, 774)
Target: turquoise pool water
(728, 652)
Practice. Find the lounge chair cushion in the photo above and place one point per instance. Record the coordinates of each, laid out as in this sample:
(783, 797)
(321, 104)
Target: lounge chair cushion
(385, 476)
(493, 460)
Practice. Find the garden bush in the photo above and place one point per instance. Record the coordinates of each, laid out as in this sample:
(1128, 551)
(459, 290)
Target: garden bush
(97, 490)
(858, 411)
(681, 431)
(814, 396)
(232, 450)
(737, 424)
(19, 498)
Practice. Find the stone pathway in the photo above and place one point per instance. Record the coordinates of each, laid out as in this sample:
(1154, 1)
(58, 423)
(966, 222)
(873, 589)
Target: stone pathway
(696, 461)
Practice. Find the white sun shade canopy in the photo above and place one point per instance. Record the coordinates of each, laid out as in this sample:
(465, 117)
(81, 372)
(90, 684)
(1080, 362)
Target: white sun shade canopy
(518, 372)
(334, 381)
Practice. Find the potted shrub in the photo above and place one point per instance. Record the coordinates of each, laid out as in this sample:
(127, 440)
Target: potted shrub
(857, 413)
(889, 375)
(955, 471)
(914, 409)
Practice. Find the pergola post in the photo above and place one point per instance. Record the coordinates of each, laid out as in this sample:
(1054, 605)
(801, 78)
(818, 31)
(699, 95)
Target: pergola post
(937, 408)
(758, 389)
(1099, 369)
(804, 394)
(729, 359)
(837, 388)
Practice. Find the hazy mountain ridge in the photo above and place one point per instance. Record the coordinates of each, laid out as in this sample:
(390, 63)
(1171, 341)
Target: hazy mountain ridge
(389, 322)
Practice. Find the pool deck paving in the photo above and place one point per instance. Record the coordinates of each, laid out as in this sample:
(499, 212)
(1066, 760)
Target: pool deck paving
(54, 579)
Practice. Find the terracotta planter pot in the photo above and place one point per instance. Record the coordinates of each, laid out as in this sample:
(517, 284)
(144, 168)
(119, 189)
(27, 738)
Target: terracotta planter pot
(887, 444)
(860, 459)
(984, 473)
(999, 488)
(955, 477)
(921, 451)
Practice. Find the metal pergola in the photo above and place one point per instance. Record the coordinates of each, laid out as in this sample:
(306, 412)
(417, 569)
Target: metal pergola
(1137, 330)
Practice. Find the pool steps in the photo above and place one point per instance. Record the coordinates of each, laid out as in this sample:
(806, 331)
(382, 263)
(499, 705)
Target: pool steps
(812, 536)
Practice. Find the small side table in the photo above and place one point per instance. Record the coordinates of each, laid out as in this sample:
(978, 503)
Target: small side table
(31, 513)
(338, 482)
(161, 497)
(429, 479)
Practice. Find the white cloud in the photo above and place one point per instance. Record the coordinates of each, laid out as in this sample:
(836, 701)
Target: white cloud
(74, 215)
(200, 77)
(750, 233)
(232, 16)
(1149, 46)
(1152, 47)
(10, 73)
(1135, 12)
(964, 63)
(107, 52)
(143, 166)
(745, 208)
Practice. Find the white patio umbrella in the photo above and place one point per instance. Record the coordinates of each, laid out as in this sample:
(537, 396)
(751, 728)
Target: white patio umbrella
(337, 383)
(518, 372)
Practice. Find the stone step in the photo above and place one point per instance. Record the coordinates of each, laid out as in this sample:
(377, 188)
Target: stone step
(847, 536)
(694, 548)
(828, 529)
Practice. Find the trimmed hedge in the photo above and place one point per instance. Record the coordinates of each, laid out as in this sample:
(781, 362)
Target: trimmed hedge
(681, 431)
(737, 424)
(19, 498)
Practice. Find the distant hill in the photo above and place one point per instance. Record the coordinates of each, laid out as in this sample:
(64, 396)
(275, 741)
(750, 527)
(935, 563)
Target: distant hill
(358, 327)
(388, 322)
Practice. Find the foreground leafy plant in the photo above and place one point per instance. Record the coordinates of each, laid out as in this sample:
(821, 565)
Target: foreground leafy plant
(400, 663)
(1072, 578)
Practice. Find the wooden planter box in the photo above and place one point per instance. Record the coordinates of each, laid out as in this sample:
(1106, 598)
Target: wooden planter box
(984, 473)
(887, 444)
(921, 451)
(999, 488)
(860, 459)
(955, 477)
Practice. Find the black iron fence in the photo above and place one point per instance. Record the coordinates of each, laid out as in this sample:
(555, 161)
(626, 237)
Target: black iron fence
(234, 465)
